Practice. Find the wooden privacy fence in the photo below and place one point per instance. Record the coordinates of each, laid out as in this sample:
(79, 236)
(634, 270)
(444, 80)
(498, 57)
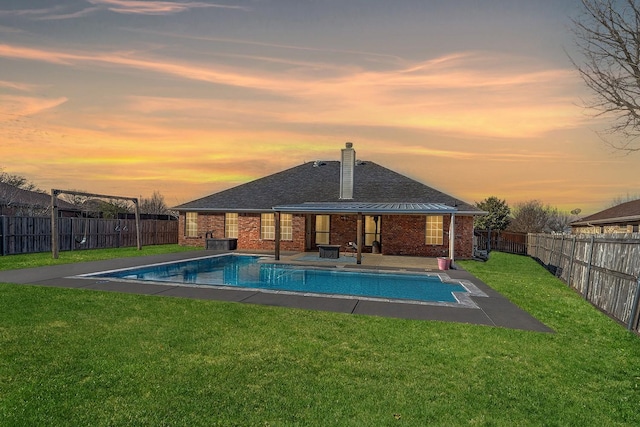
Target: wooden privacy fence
(21, 235)
(503, 241)
(604, 269)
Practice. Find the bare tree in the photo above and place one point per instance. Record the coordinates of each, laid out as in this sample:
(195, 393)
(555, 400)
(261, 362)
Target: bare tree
(17, 181)
(19, 196)
(618, 200)
(529, 217)
(155, 205)
(608, 38)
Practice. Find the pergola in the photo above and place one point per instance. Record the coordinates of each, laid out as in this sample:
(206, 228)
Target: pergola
(54, 214)
(363, 208)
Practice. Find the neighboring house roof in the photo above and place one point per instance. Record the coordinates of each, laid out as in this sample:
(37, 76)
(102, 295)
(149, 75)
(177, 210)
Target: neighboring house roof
(622, 213)
(319, 183)
(14, 196)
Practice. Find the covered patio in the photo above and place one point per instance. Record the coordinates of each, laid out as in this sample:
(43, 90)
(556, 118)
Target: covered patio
(360, 209)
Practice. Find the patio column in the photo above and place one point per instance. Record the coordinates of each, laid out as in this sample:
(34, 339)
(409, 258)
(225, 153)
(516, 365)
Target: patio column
(452, 237)
(359, 239)
(277, 240)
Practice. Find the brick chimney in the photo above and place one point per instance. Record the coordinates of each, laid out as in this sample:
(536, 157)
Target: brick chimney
(347, 166)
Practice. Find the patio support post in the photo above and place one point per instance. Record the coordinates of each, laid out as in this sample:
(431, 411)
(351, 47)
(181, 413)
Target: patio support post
(359, 239)
(452, 237)
(277, 240)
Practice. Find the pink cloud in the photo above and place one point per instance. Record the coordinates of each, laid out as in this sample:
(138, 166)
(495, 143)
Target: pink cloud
(156, 7)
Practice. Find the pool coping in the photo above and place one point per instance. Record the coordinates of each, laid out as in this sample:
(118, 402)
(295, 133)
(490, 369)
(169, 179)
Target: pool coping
(493, 310)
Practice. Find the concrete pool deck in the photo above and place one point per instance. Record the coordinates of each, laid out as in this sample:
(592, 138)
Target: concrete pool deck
(492, 310)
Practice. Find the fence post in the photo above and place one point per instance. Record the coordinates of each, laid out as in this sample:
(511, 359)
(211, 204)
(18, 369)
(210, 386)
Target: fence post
(4, 231)
(633, 319)
(560, 255)
(586, 285)
(573, 256)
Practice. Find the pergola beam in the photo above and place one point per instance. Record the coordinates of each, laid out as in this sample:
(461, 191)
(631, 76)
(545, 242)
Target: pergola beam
(54, 214)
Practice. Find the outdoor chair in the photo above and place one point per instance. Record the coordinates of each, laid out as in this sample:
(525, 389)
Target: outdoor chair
(352, 248)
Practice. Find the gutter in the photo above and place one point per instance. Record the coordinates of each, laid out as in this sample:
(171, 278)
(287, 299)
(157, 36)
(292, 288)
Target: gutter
(593, 223)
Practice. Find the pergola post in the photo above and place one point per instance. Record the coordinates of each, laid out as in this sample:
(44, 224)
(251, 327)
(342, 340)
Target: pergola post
(54, 224)
(54, 215)
(138, 233)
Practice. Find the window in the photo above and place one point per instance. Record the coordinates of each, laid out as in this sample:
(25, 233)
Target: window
(322, 229)
(268, 226)
(231, 225)
(371, 229)
(191, 224)
(286, 226)
(434, 230)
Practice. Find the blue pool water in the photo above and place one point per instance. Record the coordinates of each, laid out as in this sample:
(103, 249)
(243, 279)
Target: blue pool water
(247, 272)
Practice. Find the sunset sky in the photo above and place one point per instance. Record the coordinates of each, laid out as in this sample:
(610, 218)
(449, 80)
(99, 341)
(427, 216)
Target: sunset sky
(474, 98)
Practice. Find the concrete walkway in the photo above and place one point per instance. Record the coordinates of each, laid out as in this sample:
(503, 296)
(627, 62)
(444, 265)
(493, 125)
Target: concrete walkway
(492, 309)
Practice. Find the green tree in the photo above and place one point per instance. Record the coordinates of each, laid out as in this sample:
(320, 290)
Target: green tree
(498, 216)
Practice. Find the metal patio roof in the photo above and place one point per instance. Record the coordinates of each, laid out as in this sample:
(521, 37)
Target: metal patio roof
(364, 207)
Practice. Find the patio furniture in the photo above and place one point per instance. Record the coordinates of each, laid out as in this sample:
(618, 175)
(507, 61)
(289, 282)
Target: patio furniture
(352, 248)
(329, 251)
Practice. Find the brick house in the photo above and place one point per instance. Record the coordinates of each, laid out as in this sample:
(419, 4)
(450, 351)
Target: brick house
(333, 203)
(16, 201)
(622, 218)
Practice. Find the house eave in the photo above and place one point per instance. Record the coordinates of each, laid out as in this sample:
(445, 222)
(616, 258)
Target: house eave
(368, 208)
(618, 220)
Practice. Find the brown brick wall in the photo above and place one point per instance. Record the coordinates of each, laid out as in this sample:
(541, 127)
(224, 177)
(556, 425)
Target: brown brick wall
(248, 232)
(406, 235)
(399, 234)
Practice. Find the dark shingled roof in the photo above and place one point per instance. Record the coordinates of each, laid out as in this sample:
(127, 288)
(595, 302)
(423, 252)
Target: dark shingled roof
(321, 183)
(620, 213)
(10, 195)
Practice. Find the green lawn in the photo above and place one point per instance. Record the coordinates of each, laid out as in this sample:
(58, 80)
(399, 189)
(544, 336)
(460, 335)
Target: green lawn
(79, 357)
(13, 262)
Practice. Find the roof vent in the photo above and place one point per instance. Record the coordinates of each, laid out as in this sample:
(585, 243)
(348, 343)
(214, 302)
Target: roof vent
(347, 166)
(318, 163)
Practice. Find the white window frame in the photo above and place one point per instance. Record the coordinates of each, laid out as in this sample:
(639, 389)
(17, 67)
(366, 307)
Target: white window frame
(286, 226)
(191, 224)
(322, 235)
(434, 230)
(267, 226)
(231, 225)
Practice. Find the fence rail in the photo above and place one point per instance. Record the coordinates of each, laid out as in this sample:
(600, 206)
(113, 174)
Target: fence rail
(21, 235)
(503, 241)
(604, 269)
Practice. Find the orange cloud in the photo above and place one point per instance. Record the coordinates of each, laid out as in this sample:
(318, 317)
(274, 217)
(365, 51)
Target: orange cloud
(464, 93)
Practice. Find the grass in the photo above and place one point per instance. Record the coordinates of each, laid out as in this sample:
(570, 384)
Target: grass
(12, 262)
(79, 357)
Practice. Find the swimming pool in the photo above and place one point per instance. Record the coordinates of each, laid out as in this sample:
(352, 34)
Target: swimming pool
(261, 273)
